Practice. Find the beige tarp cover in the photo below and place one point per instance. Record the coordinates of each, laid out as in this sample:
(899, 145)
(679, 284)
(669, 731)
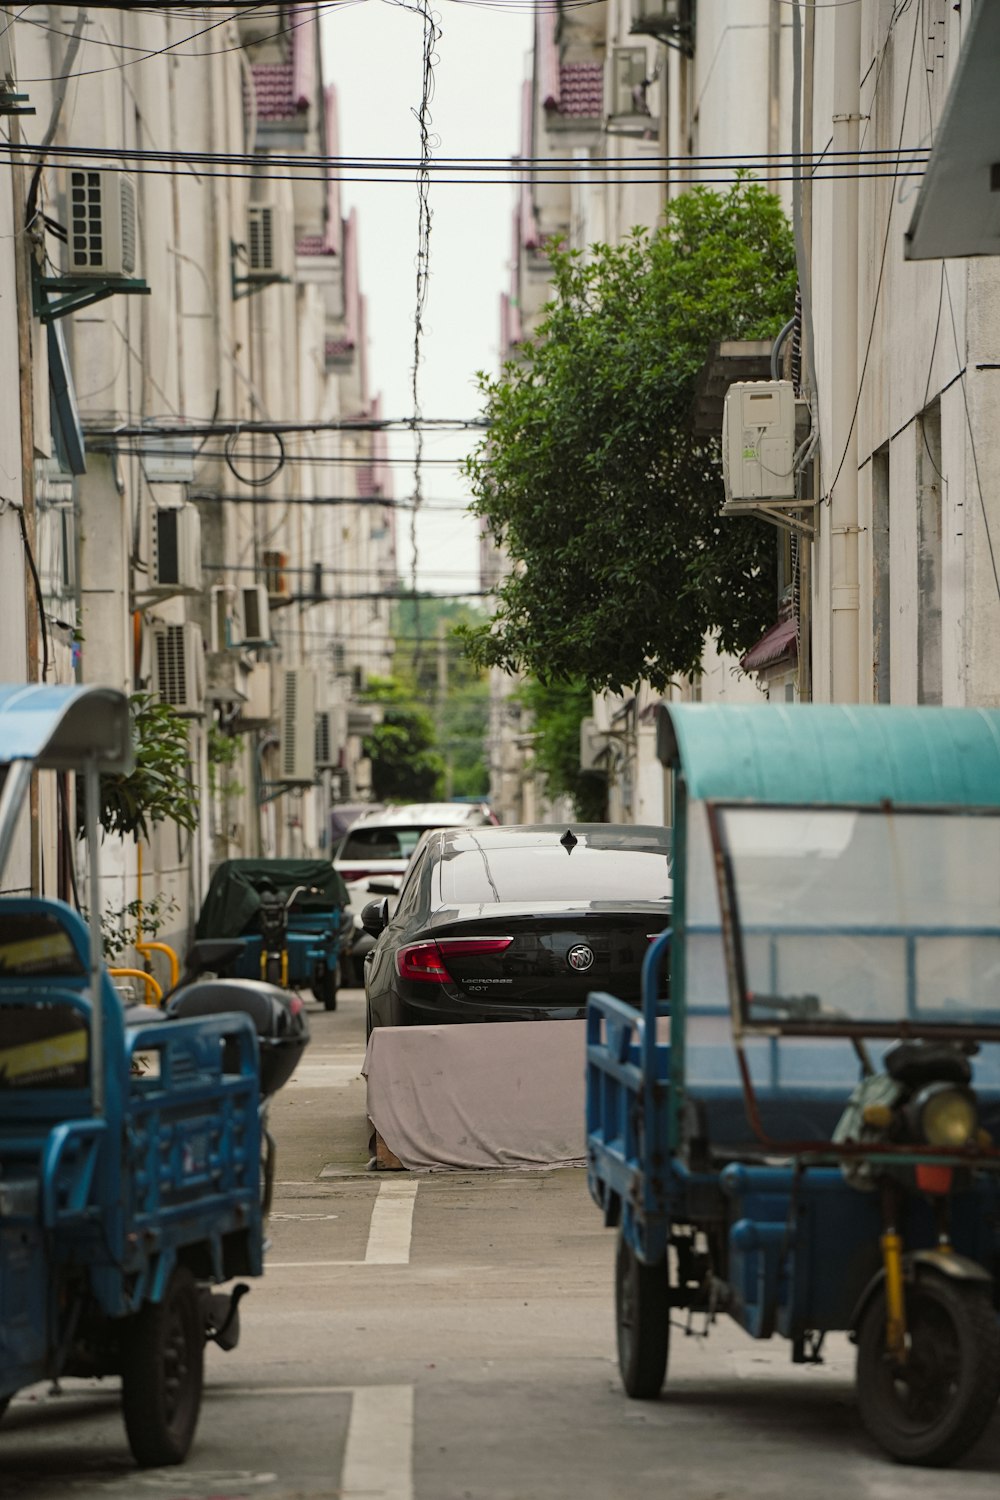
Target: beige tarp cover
(509, 1095)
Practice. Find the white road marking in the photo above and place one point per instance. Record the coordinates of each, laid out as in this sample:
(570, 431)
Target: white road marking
(308, 1265)
(378, 1459)
(378, 1455)
(391, 1224)
(273, 1215)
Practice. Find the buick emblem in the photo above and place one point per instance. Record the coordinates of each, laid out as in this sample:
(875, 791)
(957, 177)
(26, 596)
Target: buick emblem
(580, 958)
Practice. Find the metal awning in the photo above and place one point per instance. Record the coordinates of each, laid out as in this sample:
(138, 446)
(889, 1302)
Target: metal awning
(780, 643)
(61, 728)
(958, 206)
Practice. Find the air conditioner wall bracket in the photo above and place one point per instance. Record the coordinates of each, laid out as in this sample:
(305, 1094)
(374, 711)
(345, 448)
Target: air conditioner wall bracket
(245, 286)
(77, 292)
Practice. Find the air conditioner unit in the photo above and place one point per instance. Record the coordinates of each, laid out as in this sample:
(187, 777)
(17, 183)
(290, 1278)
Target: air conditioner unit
(629, 81)
(225, 679)
(331, 733)
(101, 235)
(256, 712)
(178, 666)
(758, 440)
(362, 718)
(256, 615)
(273, 565)
(298, 726)
(226, 627)
(267, 236)
(176, 562)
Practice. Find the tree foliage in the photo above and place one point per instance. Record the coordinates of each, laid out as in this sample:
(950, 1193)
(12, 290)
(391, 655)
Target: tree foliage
(405, 765)
(591, 477)
(159, 788)
(557, 709)
(462, 711)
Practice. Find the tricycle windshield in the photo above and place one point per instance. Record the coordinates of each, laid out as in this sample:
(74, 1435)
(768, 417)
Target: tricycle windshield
(861, 918)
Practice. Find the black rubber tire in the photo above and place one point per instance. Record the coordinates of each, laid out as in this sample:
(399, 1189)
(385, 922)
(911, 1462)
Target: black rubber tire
(941, 1402)
(272, 969)
(326, 990)
(642, 1321)
(163, 1354)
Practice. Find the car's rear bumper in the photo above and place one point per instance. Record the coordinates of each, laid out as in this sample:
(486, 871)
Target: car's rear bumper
(444, 1007)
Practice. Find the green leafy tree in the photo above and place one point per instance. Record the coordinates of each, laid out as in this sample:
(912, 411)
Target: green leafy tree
(591, 477)
(159, 788)
(425, 629)
(406, 767)
(557, 709)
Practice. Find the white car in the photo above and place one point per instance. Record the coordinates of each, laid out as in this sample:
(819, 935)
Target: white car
(377, 849)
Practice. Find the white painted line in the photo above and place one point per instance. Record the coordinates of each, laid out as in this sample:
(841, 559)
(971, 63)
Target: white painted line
(307, 1265)
(391, 1224)
(378, 1459)
(237, 1389)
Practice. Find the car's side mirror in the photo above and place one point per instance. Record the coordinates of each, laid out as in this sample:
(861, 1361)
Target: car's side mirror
(375, 916)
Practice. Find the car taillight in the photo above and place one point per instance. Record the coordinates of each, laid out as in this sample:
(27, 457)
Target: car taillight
(426, 961)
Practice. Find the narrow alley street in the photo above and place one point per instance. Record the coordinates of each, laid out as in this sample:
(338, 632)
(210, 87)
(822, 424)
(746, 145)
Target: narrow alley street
(450, 1337)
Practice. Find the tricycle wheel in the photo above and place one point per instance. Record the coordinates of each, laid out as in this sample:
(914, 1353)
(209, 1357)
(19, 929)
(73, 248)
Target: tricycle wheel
(325, 990)
(642, 1317)
(932, 1407)
(162, 1361)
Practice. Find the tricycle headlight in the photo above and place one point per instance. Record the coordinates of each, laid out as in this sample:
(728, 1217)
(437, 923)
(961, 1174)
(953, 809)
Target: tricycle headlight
(947, 1115)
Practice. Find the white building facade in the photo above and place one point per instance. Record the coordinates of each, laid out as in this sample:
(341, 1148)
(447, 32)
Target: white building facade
(204, 496)
(891, 581)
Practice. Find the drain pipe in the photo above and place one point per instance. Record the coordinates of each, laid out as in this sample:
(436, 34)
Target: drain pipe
(843, 448)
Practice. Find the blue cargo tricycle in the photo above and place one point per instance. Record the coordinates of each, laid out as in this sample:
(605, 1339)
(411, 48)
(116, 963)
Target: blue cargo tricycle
(800, 1126)
(292, 916)
(132, 1181)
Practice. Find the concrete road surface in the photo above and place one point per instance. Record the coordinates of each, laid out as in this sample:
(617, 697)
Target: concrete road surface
(450, 1337)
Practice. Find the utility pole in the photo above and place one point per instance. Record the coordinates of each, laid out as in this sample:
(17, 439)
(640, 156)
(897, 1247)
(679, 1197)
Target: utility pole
(23, 251)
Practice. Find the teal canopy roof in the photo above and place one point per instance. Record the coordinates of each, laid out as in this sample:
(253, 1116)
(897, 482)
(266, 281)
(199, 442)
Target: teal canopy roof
(59, 727)
(834, 753)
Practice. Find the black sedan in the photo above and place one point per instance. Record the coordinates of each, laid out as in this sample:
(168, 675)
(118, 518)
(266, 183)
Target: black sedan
(517, 923)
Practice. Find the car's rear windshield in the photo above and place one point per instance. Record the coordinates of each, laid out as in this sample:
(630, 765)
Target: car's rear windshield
(547, 873)
(380, 843)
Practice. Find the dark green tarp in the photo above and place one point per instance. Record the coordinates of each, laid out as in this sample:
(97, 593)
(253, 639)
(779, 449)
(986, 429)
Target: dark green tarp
(230, 908)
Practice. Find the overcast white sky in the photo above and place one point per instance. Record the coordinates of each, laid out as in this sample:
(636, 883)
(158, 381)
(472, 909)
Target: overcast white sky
(373, 53)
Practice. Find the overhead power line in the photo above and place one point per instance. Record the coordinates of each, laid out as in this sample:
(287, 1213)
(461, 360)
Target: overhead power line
(233, 427)
(465, 171)
(376, 502)
(872, 155)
